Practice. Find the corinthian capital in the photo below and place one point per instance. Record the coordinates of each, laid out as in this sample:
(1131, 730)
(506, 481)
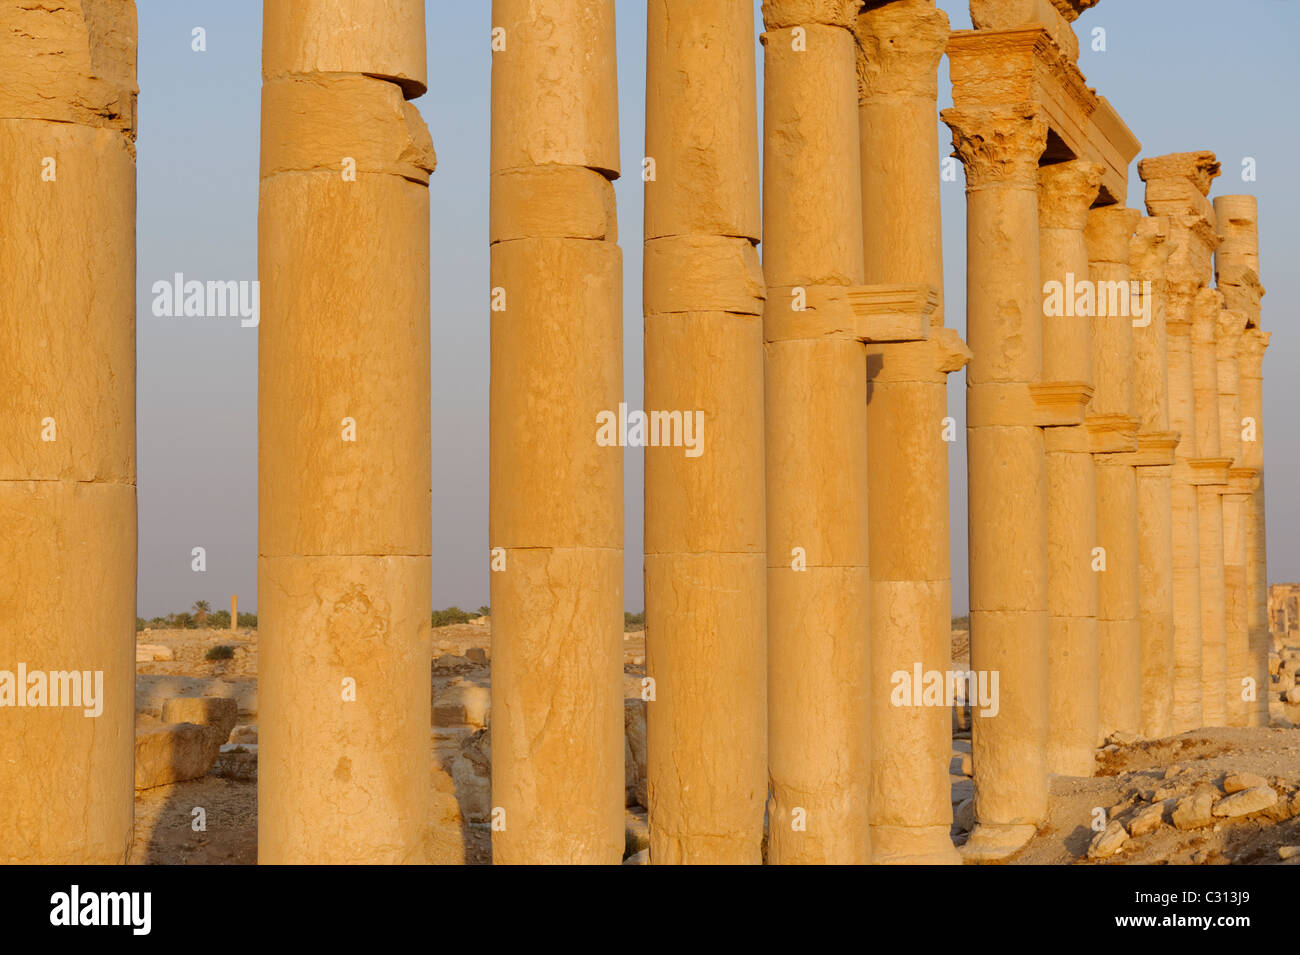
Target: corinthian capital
(998, 145)
(779, 14)
(900, 45)
(1066, 191)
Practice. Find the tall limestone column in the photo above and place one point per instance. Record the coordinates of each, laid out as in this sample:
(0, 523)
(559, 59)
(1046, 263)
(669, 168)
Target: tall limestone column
(1149, 254)
(67, 431)
(901, 44)
(1066, 191)
(344, 525)
(1253, 344)
(816, 400)
(1000, 149)
(705, 544)
(1212, 482)
(1114, 426)
(1236, 509)
(556, 499)
(1236, 266)
(1176, 187)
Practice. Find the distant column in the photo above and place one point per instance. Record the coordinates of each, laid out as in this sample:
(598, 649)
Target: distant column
(1237, 502)
(1066, 191)
(1176, 187)
(1113, 425)
(1149, 255)
(1212, 482)
(1236, 266)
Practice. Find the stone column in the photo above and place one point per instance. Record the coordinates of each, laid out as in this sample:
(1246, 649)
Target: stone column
(1177, 185)
(1236, 264)
(67, 431)
(1236, 507)
(1211, 470)
(1114, 426)
(1000, 149)
(1186, 537)
(1065, 193)
(901, 44)
(344, 530)
(1149, 255)
(556, 512)
(1253, 344)
(816, 398)
(705, 545)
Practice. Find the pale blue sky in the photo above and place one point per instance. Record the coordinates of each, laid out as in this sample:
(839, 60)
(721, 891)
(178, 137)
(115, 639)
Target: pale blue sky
(1184, 74)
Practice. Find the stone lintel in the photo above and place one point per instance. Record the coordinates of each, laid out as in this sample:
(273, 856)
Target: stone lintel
(1209, 471)
(1060, 404)
(866, 313)
(1026, 65)
(1112, 433)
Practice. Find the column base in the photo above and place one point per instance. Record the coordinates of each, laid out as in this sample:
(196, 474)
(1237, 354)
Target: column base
(994, 843)
(913, 845)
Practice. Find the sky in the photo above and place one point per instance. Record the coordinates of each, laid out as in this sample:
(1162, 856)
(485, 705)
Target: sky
(1184, 75)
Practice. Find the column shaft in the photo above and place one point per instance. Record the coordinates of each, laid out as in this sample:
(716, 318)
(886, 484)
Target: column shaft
(1114, 426)
(705, 546)
(816, 448)
(1066, 191)
(1149, 253)
(67, 431)
(901, 44)
(556, 473)
(1209, 503)
(1000, 149)
(344, 523)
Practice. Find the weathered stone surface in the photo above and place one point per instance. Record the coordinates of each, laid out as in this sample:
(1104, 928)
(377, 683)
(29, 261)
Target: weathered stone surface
(172, 752)
(1237, 782)
(149, 652)
(1245, 802)
(472, 772)
(1194, 811)
(220, 713)
(634, 753)
(1108, 842)
(1147, 820)
(383, 38)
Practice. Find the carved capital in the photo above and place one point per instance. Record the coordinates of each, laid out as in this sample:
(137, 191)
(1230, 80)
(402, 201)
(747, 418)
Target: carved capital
(998, 145)
(780, 14)
(1066, 190)
(1251, 352)
(1200, 168)
(1149, 248)
(900, 45)
(1109, 233)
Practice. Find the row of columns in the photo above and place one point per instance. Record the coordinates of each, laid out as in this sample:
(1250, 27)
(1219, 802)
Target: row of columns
(1116, 511)
(1115, 517)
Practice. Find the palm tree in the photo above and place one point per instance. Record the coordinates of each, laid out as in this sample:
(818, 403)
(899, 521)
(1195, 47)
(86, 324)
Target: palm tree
(201, 609)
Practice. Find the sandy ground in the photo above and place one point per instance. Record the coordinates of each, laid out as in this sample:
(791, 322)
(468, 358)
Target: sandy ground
(1129, 777)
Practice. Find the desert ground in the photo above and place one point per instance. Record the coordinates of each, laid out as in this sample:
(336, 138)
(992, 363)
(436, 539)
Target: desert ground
(1199, 798)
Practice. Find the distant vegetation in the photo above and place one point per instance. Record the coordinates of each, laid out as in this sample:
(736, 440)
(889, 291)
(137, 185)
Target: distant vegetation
(961, 623)
(633, 621)
(197, 617)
